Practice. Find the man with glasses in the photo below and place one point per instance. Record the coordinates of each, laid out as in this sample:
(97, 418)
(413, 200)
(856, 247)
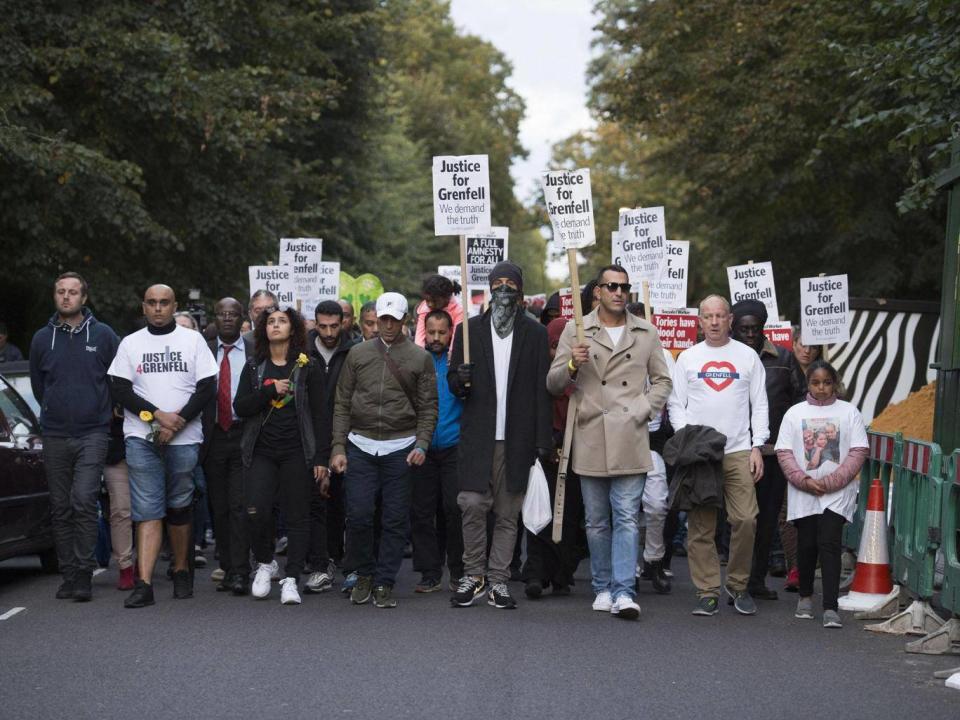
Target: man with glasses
(620, 382)
(506, 420)
(220, 452)
(259, 301)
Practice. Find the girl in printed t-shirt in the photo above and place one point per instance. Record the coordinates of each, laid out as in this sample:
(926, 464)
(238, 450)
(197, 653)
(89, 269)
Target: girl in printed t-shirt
(821, 495)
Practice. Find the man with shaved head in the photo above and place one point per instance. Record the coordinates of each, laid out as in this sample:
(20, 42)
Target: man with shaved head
(163, 376)
(220, 452)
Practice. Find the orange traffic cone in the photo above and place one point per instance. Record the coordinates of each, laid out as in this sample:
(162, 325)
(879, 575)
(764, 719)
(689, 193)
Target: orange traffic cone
(872, 582)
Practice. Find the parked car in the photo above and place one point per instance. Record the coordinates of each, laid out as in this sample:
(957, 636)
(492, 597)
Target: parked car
(25, 525)
(17, 373)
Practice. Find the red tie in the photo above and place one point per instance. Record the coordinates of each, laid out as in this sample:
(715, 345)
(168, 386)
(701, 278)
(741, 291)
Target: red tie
(224, 406)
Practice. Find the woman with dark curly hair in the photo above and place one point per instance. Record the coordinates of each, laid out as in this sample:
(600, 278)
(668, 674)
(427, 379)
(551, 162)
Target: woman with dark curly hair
(437, 293)
(285, 445)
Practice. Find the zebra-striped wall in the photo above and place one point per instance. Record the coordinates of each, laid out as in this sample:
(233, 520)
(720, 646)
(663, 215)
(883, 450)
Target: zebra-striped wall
(892, 344)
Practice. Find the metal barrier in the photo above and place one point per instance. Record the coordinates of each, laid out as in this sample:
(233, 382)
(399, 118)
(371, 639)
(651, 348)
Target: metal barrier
(884, 455)
(950, 534)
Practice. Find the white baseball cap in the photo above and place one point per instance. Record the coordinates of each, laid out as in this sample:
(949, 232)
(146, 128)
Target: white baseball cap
(392, 304)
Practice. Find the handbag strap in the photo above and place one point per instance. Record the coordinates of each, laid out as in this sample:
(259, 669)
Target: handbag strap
(398, 373)
(560, 494)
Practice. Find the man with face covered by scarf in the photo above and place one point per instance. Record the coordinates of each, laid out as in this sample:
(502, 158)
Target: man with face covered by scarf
(506, 421)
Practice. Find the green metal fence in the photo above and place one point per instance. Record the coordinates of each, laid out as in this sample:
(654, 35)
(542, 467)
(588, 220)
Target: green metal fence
(950, 533)
(884, 455)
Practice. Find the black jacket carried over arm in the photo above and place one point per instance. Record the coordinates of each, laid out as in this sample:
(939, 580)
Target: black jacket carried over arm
(696, 454)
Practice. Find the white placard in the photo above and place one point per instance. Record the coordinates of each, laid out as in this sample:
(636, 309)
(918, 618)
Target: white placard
(327, 287)
(570, 207)
(479, 295)
(671, 289)
(754, 282)
(278, 279)
(824, 310)
(461, 194)
(484, 250)
(643, 239)
(303, 255)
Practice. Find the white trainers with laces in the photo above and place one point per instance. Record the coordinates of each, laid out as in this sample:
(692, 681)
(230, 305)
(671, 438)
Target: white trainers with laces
(261, 581)
(603, 602)
(624, 607)
(288, 592)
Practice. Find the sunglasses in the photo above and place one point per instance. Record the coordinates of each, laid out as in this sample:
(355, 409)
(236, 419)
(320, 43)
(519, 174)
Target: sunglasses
(612, 286)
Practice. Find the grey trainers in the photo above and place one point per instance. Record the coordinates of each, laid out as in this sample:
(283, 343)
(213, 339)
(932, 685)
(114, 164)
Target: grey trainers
(741, 601)
(361, 591)
(383, 597)
(804, 609)
(831, 619)
(707, 606)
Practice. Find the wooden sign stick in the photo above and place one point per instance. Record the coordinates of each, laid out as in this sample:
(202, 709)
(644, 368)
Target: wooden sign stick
(647, 310)
(465, 294)
(575, 289)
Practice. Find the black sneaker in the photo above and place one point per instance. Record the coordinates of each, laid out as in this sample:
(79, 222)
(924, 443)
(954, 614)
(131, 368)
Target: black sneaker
(82, 587)
(499, 597)
(383, 597)
(741, 601)
(141, 596)
(762, 592)
(707, 605)
(65, 591)
(471, 587)
(661, 583)
(182, 585)
(533, 589)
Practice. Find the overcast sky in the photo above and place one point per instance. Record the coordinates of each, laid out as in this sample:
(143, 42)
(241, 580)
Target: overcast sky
(548, 43)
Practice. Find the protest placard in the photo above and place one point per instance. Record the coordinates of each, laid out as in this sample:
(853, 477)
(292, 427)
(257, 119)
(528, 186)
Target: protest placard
(570, 207)
(824, 310)
(677, 330)
(484, 250)
(461, 194)
(278, 279)
(479, 295)
(566, 303)
(670, 290)
(643, 239)
(780, 333)
(303, 255)
(327, 287)
(754, 281)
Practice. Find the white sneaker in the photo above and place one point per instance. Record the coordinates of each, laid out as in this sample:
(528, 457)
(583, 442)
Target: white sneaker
(625, 608)
(319, 582)
(217, 575)
(261, 581)
(603, 602)
(288, 592)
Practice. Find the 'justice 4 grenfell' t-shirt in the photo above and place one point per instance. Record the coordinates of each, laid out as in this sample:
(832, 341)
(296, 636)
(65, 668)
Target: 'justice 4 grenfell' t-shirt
(164, 370)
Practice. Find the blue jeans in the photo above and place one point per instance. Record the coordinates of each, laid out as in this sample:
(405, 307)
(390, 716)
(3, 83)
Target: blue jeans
(613, 557)
(161, 477)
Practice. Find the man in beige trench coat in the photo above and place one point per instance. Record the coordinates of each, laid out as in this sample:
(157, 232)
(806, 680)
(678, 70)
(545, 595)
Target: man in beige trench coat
(613, 402)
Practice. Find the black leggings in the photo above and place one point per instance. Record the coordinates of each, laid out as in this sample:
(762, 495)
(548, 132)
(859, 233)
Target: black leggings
(272, 474)
(820, 535)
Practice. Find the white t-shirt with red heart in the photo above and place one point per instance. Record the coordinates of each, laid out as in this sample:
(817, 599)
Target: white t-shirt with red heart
(723, 388)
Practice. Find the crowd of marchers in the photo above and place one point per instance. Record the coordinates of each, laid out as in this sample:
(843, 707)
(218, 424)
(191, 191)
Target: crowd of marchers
(354, 441)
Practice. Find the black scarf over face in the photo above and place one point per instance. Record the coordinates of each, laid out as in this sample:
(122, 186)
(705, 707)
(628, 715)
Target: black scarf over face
(503, 309)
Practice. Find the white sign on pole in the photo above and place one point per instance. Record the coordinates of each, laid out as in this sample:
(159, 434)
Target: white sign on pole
(278, 279)
(754, 282)
(303, 256)
(670, 290)
(327, 287)
(643, 238)
(627, 262)
(824, 310)
(461, 194)
(484, 250)
(570, 207)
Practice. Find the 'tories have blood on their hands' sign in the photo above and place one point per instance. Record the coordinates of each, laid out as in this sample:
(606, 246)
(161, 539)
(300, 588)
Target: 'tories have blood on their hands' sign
(677, 331)
(780, 333)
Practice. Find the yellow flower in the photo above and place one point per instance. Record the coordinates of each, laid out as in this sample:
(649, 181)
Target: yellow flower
(146, 416)
(302, 360)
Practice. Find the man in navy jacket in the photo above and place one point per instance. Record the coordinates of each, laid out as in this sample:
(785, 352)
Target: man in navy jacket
(69, 358)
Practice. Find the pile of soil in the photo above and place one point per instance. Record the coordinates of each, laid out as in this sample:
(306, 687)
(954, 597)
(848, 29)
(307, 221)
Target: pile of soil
(913, 417)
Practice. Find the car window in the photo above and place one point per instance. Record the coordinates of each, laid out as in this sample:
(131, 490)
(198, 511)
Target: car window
(18, 420)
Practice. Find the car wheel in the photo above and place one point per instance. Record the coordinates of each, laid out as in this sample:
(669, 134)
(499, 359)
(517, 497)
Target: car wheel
(49, 562)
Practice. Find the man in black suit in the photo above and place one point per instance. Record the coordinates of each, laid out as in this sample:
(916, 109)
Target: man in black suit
(220, 452)
(506, 420)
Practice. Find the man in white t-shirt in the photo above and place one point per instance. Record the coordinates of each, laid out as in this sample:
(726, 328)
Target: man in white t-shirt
(163, 376)
(721, 383)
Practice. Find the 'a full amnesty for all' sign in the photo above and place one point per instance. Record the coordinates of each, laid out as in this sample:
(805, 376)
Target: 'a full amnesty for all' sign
(824, 310)
(278, 279)
(484, 250)
(461, 194)
(677, 331)
(570, 207)
(754, 282)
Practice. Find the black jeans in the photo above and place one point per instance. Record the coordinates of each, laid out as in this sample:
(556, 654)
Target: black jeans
(317, 553)
(366, 476)
(435, 485)
(549, 562)
(770, 491)
(336, 518)
(820, 536)
(74, 466)
(285, 474)
(223, 468)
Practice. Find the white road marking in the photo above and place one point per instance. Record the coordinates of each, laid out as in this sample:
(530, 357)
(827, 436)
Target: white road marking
(10, 613)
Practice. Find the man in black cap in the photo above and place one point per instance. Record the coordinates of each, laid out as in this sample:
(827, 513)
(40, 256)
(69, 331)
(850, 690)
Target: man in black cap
(506, 420)
(749, 317)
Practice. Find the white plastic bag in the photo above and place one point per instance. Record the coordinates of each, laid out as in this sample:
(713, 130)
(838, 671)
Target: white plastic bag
(537, 512)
